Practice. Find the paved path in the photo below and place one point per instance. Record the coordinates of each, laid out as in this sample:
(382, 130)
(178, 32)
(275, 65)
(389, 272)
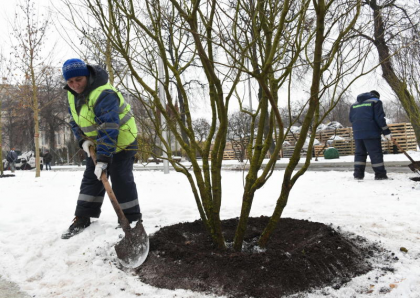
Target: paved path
(391, 166)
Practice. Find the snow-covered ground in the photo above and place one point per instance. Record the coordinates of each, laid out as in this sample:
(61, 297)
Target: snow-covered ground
(35, 211)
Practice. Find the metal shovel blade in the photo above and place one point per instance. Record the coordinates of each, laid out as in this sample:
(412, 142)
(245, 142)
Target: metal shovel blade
(415, 167)
(133, 249)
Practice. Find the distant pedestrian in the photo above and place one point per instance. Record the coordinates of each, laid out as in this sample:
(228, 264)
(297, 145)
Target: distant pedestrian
(367, 117)
(47, 160)
(11, 158)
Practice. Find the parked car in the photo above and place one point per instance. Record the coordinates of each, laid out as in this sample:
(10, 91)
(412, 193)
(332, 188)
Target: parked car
(26, 161)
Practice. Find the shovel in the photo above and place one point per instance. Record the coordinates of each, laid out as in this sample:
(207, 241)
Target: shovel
(415, 165)
(133, 249)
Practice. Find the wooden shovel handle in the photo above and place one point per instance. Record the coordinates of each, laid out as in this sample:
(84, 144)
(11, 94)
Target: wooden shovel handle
(121, 217)
(402, 150)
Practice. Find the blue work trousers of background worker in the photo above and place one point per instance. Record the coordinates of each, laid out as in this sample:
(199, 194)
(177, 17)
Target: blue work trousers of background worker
(373, 147)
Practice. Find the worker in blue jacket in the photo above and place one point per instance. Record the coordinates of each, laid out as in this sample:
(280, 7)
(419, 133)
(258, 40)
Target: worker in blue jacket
(100, 117)
(367, 117)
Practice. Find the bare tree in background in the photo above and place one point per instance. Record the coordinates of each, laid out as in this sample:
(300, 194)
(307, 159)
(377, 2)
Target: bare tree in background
(201, 128)
(395, 34)
(340, 113)
(9, 116)
(93, 45)
(396, 112)
(54, 112)
(239, 133)
(21, 118)
(4, 91)
(30, 35)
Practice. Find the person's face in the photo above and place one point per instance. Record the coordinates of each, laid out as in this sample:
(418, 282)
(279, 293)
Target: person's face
(77, 84)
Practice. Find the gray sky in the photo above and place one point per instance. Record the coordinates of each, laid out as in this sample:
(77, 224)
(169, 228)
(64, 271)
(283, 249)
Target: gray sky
(55, 43)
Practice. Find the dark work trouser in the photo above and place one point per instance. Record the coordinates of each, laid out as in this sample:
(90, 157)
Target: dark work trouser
(92, 191)
(373, 147)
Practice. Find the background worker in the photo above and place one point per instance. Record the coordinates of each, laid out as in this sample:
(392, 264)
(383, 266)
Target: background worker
(367, 117)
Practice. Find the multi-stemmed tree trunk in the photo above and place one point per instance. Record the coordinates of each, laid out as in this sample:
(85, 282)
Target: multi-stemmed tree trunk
(279, 41)
(205, 178)
(279, 38)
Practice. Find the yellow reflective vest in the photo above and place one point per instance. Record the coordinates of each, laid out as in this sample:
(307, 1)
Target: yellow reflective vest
(85, 119)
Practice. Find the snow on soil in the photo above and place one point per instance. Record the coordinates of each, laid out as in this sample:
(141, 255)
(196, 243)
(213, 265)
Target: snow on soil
(35, 211)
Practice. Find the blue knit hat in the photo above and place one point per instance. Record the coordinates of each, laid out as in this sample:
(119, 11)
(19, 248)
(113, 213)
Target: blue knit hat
(74, 68)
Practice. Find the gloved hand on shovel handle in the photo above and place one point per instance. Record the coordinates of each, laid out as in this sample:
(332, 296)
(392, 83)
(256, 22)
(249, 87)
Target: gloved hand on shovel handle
(86, 144)
(388, 137)
(99, 168)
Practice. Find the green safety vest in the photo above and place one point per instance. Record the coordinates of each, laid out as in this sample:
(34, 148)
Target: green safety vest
(86, 118)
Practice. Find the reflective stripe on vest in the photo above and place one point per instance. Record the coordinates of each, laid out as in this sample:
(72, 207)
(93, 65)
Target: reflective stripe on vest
(86, 118)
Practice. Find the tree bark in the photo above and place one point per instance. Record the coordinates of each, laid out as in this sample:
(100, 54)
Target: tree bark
(388, 73)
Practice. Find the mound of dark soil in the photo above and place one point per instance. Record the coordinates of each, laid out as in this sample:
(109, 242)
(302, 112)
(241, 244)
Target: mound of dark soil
(300, 256)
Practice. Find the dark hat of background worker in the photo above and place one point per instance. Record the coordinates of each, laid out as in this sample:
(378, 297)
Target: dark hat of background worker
(375, 93)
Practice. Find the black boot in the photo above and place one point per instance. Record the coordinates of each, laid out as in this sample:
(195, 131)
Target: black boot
(78, 225)
(359, 173)
(381, 177)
